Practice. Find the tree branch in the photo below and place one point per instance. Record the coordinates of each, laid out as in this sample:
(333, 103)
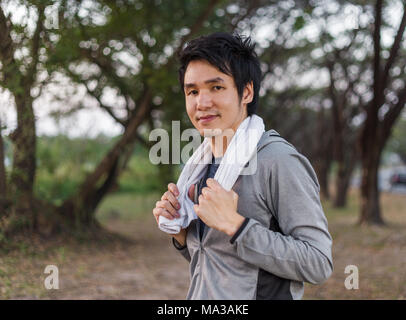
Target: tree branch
(6, 43)
(35, 45)
(200, 20)
(378, 94)
(128, 137)
(97, 96)
(106, 66)
(252, 6)
(103, 106)
(3, 179)
(147, 144)
(7, 50)
(392, 115)
(395, 48)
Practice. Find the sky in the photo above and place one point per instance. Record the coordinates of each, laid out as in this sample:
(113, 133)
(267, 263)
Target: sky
(88, 122)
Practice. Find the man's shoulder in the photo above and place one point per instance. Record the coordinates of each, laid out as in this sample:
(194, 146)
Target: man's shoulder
(275, 152)
(273, 145)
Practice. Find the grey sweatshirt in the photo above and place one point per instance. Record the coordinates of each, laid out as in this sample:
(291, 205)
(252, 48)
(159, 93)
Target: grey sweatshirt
(283, 242)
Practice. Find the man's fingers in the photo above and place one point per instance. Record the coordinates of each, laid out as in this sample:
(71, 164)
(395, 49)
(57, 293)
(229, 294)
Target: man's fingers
(169, 207)
(206, 192)
(213, 184)
(171, 198)
(165, 204)
(173, 188)
(162, 212)
(166, 214)
(156, 211)
(235, 195)
(191, 192)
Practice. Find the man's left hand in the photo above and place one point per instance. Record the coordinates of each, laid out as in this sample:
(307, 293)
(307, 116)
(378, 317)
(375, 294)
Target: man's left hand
(218, 208)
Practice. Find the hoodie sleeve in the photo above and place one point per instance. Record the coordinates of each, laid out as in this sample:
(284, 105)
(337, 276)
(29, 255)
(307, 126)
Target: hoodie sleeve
(302, 250)
(181, 249)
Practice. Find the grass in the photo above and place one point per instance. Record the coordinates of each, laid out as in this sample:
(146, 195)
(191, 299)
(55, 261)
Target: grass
(135, 270)
(22, 261)
(378, 252)
(127, 206)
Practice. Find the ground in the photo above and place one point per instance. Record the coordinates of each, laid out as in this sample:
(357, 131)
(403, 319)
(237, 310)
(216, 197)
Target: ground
(142, 264)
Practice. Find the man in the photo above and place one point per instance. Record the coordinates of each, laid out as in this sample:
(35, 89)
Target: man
(268, 235)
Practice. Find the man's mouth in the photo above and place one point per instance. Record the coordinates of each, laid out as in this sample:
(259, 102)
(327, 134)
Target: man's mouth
(207, 119)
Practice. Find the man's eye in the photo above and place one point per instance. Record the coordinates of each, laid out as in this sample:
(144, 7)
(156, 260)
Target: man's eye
(192, 92)
(217, 88)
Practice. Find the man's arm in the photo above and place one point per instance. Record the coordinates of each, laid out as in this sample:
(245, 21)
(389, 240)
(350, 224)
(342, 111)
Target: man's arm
(303, 251)
(179, 242)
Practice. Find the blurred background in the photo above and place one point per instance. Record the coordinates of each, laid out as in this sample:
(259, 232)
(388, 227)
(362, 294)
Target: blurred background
(83, 83)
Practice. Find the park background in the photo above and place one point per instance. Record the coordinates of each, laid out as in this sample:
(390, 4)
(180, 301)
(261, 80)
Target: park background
(83, 83)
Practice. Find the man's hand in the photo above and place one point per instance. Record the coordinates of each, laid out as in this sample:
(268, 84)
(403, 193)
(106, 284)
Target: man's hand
(218, 208)
(168, 206)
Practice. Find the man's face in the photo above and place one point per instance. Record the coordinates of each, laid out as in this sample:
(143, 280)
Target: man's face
(212, 100)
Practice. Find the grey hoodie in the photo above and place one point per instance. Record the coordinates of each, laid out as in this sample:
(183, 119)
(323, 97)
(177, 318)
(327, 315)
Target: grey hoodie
(283, 242)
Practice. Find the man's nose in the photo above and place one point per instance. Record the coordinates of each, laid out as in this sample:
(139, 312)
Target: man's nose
(204, 100)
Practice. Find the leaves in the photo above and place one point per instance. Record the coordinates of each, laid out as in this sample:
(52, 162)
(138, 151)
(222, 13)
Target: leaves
(299, 23)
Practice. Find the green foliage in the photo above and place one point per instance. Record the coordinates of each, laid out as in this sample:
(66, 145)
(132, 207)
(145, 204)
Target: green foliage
(63, 163)
(397, 142)
(128, 46)
(140, 176)
(127, 206)
(299, 23)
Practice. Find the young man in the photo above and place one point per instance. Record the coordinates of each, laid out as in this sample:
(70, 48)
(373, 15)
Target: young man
(268, 234)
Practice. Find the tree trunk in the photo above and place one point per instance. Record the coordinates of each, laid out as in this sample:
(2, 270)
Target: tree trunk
(81, 215)
(86, 216)
(370, 205)
(344, 174)
(371, 136)
(322, 168)
(3, 178)
(342, 184)
(323, 153)
(166, 175)
(24, 165)
(80, 208)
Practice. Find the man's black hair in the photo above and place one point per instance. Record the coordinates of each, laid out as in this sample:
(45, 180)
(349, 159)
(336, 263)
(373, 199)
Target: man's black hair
(232, 55)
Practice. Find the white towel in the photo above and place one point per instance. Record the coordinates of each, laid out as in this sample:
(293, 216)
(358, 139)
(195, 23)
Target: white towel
(241, 149)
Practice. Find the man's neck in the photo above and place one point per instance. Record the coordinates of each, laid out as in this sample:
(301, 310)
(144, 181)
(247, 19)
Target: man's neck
(219, 144)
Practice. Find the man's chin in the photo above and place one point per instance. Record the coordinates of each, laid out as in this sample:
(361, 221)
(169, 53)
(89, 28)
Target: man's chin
(210, 132)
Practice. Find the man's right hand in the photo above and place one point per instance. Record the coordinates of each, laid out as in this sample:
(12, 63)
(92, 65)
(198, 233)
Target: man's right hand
(168, 207)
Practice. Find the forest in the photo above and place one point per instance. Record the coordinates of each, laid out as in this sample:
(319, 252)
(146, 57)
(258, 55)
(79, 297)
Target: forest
(333, 84)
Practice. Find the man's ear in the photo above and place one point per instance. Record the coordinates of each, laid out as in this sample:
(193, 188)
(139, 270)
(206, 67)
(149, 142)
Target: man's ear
(248, 93)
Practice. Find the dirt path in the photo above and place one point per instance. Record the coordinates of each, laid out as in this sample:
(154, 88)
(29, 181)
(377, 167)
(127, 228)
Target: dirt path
(152, 269)
(148, 266)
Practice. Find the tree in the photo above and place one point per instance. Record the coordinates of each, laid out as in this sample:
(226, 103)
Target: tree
(96, 35)
(363, 108)
(347, 74)
(3, 178)
(19, 72)
(295, 108)
(397, 142)
(389, 98)
(161, 29)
